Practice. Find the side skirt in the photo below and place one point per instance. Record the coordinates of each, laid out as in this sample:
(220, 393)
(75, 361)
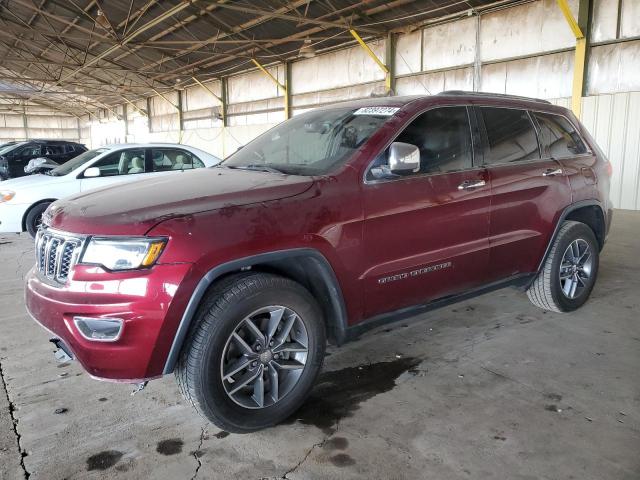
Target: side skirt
(354, 331)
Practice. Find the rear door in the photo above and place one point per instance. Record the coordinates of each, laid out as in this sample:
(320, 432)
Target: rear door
(426, 234)
(561, 141)
(54, 152)
(69, 152)
(529, 189)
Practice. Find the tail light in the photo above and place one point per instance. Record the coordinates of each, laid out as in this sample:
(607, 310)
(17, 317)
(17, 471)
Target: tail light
(609, 169)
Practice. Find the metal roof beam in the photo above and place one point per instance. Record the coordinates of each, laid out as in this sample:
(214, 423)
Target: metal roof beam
(297, 19)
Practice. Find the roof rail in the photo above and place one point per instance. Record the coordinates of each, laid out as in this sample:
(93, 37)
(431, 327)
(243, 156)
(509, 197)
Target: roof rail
(492, 95)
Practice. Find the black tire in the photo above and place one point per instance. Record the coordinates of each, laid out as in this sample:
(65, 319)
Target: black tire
(34, 218)
(546, 290)
(223, 309)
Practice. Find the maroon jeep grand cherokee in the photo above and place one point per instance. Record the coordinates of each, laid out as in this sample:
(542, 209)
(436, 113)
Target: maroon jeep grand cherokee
(338, 220)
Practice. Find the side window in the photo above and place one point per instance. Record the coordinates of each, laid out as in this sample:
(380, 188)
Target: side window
(29, 152)
(52, 150)
(559, 137)
(124, 162)
(69, 149)
(165, 159)
(443, 137)
(511, 136)
(197, 163)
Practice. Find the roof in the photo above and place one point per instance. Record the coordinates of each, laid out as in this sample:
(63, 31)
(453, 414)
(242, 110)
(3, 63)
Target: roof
(53, 140)
(456, 95)
(77, 56)
(146, 145)
(395, 101)
(498, 96)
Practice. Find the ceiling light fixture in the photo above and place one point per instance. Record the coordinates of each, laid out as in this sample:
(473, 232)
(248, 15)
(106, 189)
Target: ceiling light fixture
(307, 50)
(102, 21)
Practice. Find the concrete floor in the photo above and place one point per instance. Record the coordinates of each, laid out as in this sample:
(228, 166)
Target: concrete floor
(489, 388)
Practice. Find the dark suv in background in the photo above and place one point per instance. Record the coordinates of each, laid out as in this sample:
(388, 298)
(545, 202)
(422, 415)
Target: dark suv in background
(16, 155)
(338, 220)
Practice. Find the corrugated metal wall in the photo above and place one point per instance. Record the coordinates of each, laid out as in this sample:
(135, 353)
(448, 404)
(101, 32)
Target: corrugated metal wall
(42, 125)
(614, 121)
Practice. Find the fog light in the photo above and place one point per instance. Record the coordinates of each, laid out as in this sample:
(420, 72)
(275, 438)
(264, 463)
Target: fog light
(99, 329)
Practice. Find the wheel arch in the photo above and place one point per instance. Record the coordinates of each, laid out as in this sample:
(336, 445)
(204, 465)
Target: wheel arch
(304, 265)
(39, 202)
(589, 212)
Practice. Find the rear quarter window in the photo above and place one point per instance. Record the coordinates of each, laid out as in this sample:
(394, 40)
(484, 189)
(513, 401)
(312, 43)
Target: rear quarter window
(559, 138)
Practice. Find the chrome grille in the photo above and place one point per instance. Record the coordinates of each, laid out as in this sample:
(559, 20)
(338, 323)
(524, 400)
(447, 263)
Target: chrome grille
(56, 253)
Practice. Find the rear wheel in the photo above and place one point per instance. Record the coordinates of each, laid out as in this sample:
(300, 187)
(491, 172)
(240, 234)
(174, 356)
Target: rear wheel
(569, 272)
(254, 354)
(34, 218)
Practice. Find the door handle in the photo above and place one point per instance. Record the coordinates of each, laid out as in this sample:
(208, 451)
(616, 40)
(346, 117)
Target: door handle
(552, 172)
(469, 184)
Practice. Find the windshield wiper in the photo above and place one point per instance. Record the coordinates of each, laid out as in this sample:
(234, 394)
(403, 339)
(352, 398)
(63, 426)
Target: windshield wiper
(257, 167)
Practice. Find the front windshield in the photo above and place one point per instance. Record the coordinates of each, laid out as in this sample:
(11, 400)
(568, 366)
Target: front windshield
(74, 163)
(313, 143)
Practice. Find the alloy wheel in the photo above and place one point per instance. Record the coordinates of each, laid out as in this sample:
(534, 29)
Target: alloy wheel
(264, 357)
(575, 268)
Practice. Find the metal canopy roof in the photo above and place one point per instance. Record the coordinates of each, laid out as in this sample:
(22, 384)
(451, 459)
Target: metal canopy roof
(80, 55)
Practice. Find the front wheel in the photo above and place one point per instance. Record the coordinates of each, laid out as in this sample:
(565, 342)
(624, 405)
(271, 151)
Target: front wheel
(255, 352)
(34, 218)
(569, 272)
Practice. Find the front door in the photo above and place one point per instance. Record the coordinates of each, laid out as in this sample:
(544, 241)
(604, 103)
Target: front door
(426, 234)
(119, 167)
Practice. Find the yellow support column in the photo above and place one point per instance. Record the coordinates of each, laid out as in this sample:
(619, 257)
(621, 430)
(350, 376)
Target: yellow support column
(207, 89)
(578, 76)
(280, 86)
(579, 64)
(383, 67)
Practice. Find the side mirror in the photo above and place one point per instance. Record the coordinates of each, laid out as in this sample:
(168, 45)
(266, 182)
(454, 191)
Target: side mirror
(92, 172)
(404, 158)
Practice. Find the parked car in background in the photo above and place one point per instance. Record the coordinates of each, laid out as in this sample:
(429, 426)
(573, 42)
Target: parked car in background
(6, 144)
(14, 157)
(340, 219)
(22, 200)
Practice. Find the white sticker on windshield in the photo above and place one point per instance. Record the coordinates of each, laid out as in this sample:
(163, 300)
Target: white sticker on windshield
(384, 111)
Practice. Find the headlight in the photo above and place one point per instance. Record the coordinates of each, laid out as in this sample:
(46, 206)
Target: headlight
(6, 195)
(123, 254)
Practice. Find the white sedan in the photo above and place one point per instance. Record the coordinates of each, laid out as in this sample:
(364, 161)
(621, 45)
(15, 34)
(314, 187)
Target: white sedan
(23, 200)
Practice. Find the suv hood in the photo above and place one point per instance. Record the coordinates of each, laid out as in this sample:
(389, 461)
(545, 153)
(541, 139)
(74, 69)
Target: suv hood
(134, 208)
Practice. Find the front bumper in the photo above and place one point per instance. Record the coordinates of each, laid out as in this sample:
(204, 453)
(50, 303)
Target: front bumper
(149, 302)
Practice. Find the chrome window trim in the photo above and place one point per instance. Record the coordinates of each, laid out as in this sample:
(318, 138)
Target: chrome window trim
(536, 160)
